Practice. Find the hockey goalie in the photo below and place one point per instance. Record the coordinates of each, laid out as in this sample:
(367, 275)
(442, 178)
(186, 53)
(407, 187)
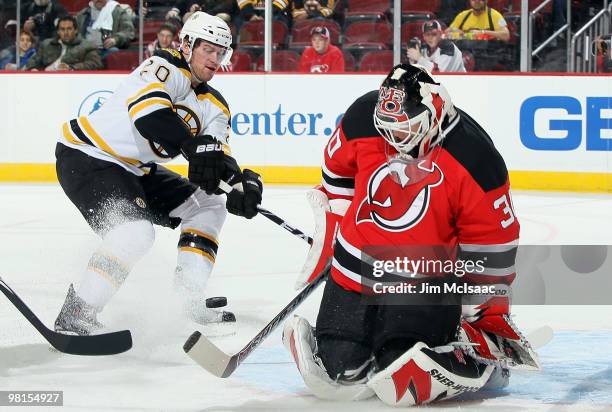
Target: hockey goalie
(407, 167)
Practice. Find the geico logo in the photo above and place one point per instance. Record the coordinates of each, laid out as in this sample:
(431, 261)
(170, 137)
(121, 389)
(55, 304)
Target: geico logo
(210, 147)
(280, 123)
(557, 123)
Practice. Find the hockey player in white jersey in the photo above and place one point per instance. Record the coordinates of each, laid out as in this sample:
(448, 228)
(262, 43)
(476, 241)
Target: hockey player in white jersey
(108, 166)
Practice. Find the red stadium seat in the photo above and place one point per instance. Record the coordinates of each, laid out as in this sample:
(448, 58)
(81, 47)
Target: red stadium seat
(368, 33)
(410, 30)
(242, 61)
(300, 34)
(252, 34)
(501, 6)
(349, 61)
(376, 61)
(516, 6)
(366, 10)
(74, 6)
(122, 60)
(282, 61)
(420, 5)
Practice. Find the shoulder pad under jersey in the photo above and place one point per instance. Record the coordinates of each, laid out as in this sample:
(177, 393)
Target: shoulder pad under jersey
(472, 147)
(173, 57)
(358, 121)
(204, 89)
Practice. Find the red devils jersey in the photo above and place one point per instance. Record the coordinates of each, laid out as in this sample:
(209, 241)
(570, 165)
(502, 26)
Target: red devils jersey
(461, 199)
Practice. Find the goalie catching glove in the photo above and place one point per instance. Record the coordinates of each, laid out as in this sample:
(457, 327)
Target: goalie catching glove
(208, 163)
(327, 217)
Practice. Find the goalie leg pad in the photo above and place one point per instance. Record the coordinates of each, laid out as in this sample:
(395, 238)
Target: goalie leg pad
(299, 339)
(422, 375)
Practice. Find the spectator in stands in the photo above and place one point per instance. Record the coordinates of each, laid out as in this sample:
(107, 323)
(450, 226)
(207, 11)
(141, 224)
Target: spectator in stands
(251, 10)
(68, 51)
(438, 54)
(480, 22)
(322, 57)
(166, 36)
(604, 56)
(224, 9)
(308, 9)
(106, 24)
(27, 49)
(40, 17)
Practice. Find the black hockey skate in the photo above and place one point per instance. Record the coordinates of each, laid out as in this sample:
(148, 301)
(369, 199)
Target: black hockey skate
(76, 316)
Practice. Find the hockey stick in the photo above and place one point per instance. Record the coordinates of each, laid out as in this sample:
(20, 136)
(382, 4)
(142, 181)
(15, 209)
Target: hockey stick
(214, 360)
(103, 344)
(272, 216)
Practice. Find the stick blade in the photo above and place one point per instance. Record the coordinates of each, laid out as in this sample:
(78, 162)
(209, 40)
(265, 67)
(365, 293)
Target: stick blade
(209, 356)
(111, 343)
(540, 337)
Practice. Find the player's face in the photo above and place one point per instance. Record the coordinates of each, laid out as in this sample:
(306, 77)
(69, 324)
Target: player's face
(206, 59)
(66, 31)
(164, 37)
(432, 38)
(319, 43)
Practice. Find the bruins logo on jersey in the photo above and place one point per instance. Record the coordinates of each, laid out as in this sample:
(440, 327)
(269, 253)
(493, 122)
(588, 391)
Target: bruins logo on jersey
(191, 120)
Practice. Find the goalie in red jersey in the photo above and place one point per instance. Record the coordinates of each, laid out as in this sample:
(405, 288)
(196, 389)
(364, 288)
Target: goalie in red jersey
(405, 168)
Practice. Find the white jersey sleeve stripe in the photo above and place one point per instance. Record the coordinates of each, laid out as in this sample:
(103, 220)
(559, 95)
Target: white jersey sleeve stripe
(101, 143)
(152, 104)
(148, 88)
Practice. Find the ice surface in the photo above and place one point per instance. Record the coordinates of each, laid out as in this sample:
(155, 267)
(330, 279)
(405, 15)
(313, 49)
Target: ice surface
(44, 244)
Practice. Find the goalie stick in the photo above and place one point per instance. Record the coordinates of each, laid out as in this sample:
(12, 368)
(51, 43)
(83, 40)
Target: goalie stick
(214, 360)
(272, 216)
(103, 344)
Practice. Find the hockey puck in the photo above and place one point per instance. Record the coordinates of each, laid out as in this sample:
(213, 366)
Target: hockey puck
(216, 302)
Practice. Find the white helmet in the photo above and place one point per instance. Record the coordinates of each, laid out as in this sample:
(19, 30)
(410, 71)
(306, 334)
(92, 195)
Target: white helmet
(210, 28)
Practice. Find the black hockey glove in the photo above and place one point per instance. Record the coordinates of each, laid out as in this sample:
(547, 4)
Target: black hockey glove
(245, 203)
(208, 164)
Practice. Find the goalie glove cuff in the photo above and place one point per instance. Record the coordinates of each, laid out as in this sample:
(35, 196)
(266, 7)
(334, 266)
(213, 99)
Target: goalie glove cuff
(327, 222)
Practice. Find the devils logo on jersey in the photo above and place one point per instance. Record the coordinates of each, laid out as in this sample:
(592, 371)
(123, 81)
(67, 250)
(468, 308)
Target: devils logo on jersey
(397, 200)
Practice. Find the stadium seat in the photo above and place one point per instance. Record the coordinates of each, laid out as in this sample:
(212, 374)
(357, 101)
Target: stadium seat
(242, 61)
(300, 34)
(376, 61)
(410, 30)
(251, 34)
(502, 6)
(366, 10)
(74, 6)
(282, 61)
(516, 6)
(420, 5)
(349, 61)
(364, 33)
(122, 60)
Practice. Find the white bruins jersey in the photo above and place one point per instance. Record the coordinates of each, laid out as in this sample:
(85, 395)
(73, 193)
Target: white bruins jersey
(161, 82)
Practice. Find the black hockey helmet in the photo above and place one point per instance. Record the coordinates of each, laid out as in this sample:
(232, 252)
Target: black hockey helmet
(410, 110)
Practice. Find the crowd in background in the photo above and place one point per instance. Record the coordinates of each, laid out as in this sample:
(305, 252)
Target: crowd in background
(314, 36)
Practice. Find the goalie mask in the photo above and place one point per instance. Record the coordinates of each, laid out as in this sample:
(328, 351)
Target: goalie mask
(411, 110)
